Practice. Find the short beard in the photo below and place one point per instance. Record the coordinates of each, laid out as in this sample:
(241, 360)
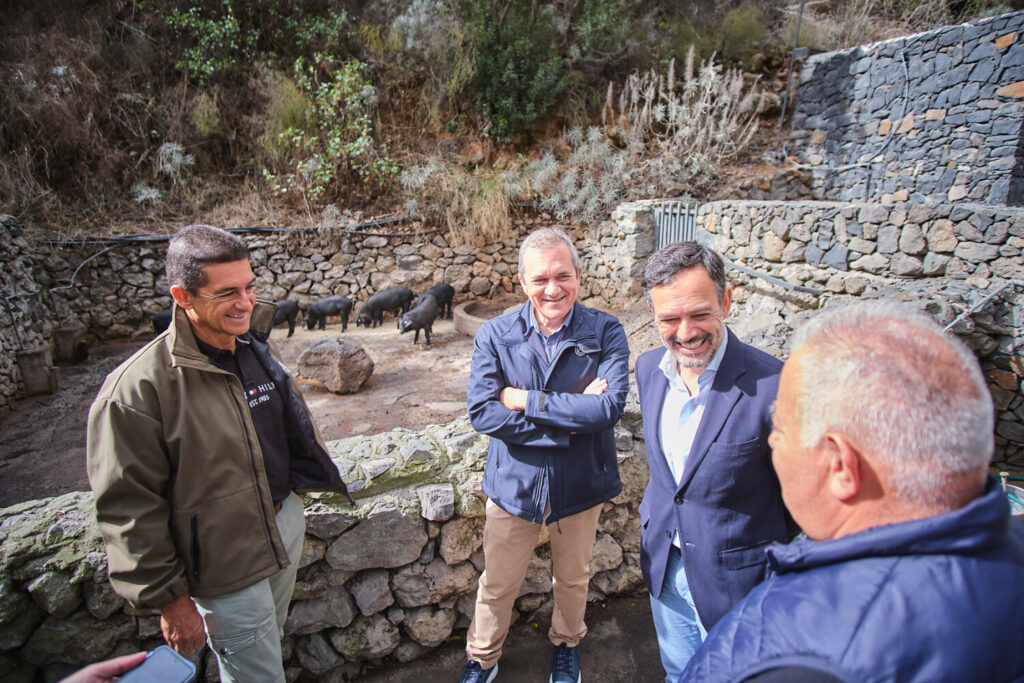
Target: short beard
(689, 362)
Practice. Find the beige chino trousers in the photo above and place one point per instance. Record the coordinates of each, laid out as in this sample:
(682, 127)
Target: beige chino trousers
(509, 542)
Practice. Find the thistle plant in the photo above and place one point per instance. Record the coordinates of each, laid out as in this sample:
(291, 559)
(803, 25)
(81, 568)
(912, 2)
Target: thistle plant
(174, 162)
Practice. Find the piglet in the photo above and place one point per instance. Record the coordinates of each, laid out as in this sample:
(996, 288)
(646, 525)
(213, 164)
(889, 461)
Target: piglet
(420, 318)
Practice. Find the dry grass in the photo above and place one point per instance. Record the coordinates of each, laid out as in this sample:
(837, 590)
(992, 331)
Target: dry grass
(475, 205)
(847, 23)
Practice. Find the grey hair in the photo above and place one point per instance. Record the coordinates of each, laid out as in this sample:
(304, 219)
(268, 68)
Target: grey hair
(544, 239)
(196, 246)
(664, 265)
(914, 397)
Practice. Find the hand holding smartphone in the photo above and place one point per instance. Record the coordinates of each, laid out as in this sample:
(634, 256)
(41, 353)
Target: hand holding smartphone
(162, 665)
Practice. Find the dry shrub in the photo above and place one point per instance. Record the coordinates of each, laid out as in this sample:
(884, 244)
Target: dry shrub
(474, 205)
(838, 25)
(73, 127)
(848, 24)
(707, 116)
(286, 107)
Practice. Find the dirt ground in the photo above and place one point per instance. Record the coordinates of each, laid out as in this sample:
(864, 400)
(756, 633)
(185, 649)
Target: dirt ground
(42, 442)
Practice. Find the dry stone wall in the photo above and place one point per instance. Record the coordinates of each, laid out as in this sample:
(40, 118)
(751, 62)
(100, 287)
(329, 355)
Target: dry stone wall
(394, 576)
(943, 259)
(109, 290)
(933, 117)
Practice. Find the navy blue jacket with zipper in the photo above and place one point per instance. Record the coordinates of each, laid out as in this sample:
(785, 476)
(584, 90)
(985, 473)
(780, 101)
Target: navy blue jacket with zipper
(930, 600)
(561, 449)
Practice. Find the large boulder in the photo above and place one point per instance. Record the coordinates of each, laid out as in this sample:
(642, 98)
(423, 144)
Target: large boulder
(340, 365)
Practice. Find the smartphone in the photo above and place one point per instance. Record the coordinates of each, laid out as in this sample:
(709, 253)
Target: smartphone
(162, 665)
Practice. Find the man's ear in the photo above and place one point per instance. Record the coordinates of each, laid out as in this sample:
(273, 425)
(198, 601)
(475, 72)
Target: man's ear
(844, 466)
(726, 302)
(181, 297)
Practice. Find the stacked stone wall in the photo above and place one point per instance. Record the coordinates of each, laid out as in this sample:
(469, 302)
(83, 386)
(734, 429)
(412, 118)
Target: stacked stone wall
(19, 312)
(933, 117)
(118, 286)
(943, 259)
(395, 576)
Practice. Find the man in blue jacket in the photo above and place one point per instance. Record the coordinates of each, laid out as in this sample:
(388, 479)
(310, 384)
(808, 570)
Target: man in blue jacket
(912, 569)
(712, 504)
(548, 383)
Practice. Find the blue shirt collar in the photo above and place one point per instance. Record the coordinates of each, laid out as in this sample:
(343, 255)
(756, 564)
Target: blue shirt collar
(532, 321)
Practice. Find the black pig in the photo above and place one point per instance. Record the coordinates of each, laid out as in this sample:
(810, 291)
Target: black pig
(390, 299)
(445, 294)
(286, 310)
(318, 311)
(162, 320)
(420, 318)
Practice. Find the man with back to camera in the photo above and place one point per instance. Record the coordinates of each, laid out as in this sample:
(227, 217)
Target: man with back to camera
(548, 383)
(196, 447)
(712, 503)
(911, 568)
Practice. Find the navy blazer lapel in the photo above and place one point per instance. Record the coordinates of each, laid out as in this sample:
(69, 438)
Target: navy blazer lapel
(724, 395)
(655, 394)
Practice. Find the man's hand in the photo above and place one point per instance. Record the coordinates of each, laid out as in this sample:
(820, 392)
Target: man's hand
(596, 387)
(182, 625)
(513, 399)
(108, 671)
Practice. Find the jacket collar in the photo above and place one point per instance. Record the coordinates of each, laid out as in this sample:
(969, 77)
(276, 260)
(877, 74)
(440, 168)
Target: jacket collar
(518, 327)
(185, 350)
(983, 523)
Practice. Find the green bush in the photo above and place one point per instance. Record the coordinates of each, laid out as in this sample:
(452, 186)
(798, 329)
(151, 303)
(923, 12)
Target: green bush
(205, 114)
(518, 74)
(337, 135)
(216, 41)
(741, 34)
(226, 38)
(286, 108)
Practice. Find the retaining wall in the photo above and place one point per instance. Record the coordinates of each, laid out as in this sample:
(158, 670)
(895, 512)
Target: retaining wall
(394, 576)
(932, 117)
(942, 259)
(118, 286)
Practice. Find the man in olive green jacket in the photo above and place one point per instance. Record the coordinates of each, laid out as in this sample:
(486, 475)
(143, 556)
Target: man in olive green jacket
(197, 445)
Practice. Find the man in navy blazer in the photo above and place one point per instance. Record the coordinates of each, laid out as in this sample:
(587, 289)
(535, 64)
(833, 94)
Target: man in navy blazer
(713, 503)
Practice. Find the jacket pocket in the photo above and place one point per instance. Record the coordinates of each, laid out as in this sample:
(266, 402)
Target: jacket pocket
(224, 541)
(747, 556)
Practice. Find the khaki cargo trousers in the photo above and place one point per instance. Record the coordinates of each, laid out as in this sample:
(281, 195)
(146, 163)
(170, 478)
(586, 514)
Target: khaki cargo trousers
(509, 542)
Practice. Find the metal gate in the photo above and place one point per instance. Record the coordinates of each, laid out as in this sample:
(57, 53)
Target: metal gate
(675, 222)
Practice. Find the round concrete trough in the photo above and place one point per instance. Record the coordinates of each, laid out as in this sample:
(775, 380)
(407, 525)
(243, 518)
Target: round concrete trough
(470, 315)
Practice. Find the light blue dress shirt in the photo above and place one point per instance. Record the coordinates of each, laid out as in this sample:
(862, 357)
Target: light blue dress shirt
(682, 412)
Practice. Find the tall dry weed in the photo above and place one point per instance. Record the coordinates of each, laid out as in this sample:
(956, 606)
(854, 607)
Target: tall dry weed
(475, 205)
(659, 132)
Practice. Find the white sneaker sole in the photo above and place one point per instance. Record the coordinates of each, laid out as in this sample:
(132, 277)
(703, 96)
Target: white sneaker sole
(551, 679)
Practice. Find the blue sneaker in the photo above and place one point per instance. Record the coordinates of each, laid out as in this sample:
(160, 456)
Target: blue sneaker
(474, 674)
(565, 665)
